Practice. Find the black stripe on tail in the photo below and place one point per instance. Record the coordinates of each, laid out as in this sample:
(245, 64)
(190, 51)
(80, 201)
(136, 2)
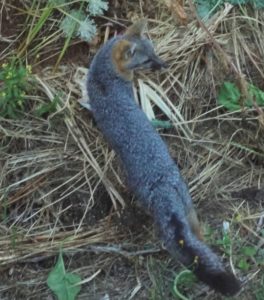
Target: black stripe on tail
(197, 256)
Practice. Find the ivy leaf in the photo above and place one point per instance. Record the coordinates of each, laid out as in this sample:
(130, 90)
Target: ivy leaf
(63, 284)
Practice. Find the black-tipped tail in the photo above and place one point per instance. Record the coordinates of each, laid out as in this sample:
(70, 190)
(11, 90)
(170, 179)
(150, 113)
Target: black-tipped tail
(223, 282)
(196, 255)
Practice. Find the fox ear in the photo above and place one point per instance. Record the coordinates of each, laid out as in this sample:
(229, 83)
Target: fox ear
(137, 29)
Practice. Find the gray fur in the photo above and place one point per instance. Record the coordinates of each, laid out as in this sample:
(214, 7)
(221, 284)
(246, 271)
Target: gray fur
(150, 171)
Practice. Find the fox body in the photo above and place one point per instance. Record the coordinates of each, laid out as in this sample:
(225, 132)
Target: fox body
(150, 171)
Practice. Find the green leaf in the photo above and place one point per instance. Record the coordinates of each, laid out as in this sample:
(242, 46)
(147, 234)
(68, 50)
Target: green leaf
(205, 8)
(71, 22)
(256, 94)
(249, 251)
(229, 96)
(243, 265)
(63, 284)
(161, 124)
(226, 241)
(70, 25)
(87, 30)
(97, 7)
(47, 108)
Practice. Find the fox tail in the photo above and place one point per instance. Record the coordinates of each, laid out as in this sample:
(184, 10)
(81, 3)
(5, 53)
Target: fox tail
(181, 242)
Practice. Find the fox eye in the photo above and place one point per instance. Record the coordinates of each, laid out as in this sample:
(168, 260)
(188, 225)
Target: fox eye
(129, 53)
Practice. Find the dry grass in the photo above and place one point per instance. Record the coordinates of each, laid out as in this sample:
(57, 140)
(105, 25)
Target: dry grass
(61, 187)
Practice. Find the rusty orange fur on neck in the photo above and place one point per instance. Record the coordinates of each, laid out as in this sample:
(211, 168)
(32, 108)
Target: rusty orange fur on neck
(119, 59)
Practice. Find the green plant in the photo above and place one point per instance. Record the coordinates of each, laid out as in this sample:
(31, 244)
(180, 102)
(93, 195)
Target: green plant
(77, 21)
(246, 256)
(161, 124)
(160, 276)
(14, 77)
(249, 256)
(246, 253)
(205, 8)
(185, 279)
(225, 242)
(45, 109)
(259, 290)
(230, 96)
(65, 285)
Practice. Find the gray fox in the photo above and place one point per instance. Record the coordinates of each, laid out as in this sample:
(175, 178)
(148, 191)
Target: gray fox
(150, 171)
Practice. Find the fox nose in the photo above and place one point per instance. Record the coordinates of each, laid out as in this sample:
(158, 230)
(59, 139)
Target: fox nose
(158, 63)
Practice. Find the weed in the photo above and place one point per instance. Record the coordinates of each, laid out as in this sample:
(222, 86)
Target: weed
(65, 285)
(247, 256)
(225, 242)
(160, 288)
(231, 98)
(259, 292)
(45, 109)
(76, 22)
(161, 124)
(206, 8)
(185, 279)
(13, 90)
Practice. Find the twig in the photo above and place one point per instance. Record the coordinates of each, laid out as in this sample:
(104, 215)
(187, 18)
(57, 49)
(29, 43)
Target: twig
(119, 250)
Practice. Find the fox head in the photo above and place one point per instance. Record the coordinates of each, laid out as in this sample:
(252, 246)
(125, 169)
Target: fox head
(135, 52)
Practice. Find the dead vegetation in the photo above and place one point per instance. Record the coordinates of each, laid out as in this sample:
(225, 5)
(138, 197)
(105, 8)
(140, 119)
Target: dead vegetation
(61, 186)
